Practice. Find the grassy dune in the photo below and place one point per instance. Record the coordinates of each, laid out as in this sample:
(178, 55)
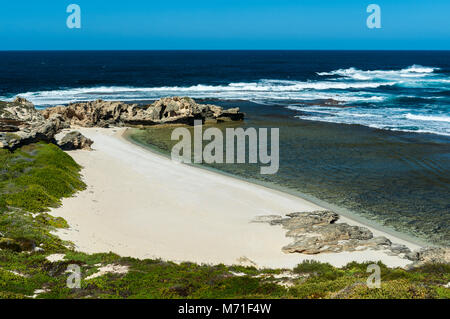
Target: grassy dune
(36, 177)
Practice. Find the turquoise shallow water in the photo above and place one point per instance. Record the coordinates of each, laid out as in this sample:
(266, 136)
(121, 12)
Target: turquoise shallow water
(398, 179)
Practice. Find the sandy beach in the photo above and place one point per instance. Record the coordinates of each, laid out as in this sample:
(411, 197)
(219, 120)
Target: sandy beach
(140, 204)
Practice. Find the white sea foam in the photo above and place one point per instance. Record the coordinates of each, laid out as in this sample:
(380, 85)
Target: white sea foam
(396, 119)
(368, 90)
(263, 90)
(356, 82)
(432, 118)
(414, 71)
(378, 122)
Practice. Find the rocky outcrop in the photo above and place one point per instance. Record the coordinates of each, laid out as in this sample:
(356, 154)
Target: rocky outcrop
(21, 123)
(317, 232)
(168, 110)
(21, 111)
(429, 255)
(44, 131)
(75, 141)
(10, 125)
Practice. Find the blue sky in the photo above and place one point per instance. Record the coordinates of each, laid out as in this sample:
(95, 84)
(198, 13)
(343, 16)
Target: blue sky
(224, 24)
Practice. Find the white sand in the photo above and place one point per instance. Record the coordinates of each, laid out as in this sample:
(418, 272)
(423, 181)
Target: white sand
(109, 269)
(143, 205)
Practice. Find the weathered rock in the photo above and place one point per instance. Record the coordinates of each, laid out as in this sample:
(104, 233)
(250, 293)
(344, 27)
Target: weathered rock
(34, 132)
(87, 114)
(429, 255)
(329, 238)
(10, 125)
(21, 124)
(20, 110)
(74, 141)
(306, 220)
(317, 232)
(164, 111)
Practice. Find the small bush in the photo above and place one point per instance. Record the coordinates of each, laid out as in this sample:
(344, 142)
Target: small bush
(316, 268)
(395, 289)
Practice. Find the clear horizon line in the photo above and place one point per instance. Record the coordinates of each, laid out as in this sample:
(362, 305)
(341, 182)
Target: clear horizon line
(74, 50)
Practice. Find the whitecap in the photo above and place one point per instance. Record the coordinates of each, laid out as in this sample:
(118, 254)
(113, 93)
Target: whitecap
(433, 118)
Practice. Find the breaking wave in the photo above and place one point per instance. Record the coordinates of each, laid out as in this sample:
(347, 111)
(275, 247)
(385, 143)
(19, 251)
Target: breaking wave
(410, 99)
(261, 90)
(414, 71)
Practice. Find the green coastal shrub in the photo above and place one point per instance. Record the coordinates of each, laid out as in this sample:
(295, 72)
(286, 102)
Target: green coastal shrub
(36, 177)
(324, 270)
(395, 289)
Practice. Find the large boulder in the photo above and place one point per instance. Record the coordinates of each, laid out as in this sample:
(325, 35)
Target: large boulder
(75, 141)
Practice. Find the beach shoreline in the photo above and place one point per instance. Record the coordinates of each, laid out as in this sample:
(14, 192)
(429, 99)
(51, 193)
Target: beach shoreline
(345, 214)
(140, 204)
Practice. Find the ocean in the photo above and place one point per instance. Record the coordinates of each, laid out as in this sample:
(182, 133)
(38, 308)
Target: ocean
(368, 131)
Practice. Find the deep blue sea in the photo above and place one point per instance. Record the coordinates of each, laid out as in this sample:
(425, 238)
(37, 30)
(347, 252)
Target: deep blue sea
(367, 131)
(392, 90)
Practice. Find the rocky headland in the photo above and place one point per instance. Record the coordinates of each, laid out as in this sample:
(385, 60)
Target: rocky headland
(169, 110)
(21, 123)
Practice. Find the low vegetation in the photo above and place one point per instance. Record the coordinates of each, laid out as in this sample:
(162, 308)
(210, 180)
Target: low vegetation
(36, 177)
